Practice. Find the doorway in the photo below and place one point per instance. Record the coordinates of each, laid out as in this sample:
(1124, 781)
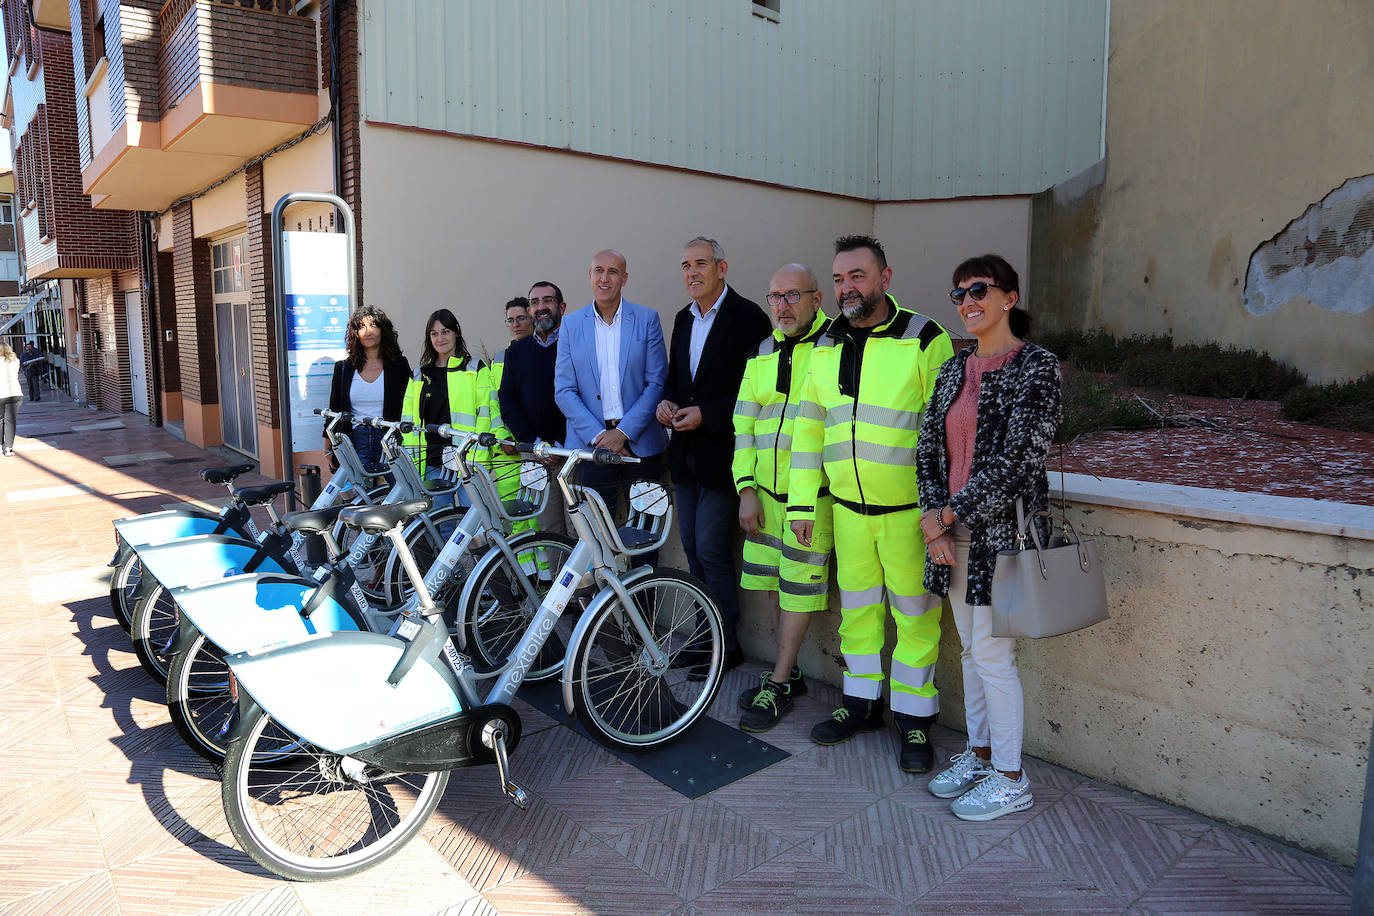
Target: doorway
(238, 415)
(138, 362)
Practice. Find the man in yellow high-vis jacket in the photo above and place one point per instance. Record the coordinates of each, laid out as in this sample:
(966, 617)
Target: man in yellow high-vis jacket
(795, 577)
(871, 375)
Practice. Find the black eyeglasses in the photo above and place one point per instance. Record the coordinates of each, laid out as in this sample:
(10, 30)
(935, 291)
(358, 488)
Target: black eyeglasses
(976, 291)
(791, 297)
(546, 300)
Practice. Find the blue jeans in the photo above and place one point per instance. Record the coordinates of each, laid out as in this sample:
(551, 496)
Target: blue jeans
(708, 519)
(367, 442)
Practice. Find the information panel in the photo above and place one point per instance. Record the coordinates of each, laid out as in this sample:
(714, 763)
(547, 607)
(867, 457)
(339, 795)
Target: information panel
(315, 296)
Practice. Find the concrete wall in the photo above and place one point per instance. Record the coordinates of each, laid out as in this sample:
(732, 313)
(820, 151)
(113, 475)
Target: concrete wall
(1225, 122)
(494, 217)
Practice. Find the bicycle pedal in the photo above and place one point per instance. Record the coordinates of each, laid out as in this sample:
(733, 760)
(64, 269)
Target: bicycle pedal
(494, 738)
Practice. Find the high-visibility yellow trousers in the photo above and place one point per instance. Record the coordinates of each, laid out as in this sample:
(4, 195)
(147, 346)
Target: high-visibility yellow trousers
(879, 566)
(775, 561)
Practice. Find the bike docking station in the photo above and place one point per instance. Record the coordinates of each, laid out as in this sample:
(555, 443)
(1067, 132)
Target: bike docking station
(710, 756)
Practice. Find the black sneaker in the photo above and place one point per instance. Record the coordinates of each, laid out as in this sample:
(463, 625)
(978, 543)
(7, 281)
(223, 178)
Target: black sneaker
(915, 755)
(771, 702)
(795, 681)
(853, 717)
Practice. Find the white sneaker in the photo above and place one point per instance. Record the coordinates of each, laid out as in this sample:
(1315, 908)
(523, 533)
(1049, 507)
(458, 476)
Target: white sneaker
(993, 797)
(966, 770)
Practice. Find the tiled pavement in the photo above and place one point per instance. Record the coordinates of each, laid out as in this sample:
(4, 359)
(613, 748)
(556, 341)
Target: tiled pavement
(103, 810)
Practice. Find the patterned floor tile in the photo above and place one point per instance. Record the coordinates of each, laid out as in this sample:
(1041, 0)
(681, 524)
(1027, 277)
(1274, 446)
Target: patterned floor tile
(416, 873)
(1214, 880)
(795, 882)
(869, 760)
(90, 896)
(795, 799)
(612, 799)
(1119, 854)
(65, 799)
(44, 859)
(895, 849)
(477, 906)
(597, 880)
(497, 845)
(1002, 882)
(187, 879)
(556, 755)
(698, 846)
(1267, 852)
(277, 901)
(1145, 809)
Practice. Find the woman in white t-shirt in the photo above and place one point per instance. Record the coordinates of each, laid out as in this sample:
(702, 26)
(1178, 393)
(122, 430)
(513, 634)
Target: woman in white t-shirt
(370, 382)
(10, 397)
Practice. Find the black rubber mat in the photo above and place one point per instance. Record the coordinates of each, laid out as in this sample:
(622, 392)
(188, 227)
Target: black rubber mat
(708, 757)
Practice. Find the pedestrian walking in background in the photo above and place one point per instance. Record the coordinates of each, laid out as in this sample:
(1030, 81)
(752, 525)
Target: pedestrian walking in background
(33, 363)
(986, 435)
(10, 396)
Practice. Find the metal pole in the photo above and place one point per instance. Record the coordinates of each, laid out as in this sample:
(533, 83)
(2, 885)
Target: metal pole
(279, 298)
(1362, 899)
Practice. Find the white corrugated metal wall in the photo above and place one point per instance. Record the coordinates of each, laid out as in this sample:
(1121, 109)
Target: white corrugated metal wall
(876, 99)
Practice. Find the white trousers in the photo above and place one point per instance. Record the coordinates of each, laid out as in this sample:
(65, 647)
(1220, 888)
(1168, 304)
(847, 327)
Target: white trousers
(994, 711)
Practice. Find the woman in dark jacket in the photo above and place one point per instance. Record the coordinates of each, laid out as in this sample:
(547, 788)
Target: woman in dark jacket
(371, 381)
(986, 434)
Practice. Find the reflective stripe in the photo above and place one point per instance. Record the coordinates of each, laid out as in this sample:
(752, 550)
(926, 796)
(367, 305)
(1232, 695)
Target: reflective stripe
(913, 704)
(771, 412)
(890, 417)
(912, 677)
(463, 420)
(914, 605)
(810, 410)
(807, 461)
(766, 540)
(782, 442)
(893, 455)
(745, 408)
(863, 664)
(850, 601)
(863, 687)
(759, 569)
(809, 589)
(799, 555)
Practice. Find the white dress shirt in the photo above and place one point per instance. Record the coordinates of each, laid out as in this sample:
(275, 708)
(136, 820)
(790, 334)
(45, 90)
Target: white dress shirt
(608, 362)
(701, 327)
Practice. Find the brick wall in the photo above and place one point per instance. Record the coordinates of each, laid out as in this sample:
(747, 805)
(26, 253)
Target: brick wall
(261, 314)
(139, 40)
(350, 111)
(195, 314)
(107, 375)
(179, 60)
(168, 355)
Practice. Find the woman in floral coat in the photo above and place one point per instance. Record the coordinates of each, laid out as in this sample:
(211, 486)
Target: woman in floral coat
(986, 435)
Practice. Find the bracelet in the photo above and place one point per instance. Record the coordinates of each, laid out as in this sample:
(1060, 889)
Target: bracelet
(940, 520)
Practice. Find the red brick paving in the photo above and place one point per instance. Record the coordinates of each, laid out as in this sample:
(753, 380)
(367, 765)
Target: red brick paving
(102, 810)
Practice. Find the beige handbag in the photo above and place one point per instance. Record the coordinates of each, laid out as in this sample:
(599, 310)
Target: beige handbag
(1041, 590)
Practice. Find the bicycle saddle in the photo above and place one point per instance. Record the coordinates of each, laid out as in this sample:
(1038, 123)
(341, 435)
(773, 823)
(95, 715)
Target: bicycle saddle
(256, 496)
(224, 474)
(377, 519)
(307, 521)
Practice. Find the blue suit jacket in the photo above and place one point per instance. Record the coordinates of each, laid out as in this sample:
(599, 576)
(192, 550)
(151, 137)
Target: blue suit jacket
(643, 368)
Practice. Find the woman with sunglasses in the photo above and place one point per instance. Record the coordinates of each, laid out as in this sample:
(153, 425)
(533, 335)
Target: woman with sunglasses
(986, 434)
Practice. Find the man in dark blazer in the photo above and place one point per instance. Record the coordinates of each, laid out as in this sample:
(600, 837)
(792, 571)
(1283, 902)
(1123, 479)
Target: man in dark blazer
(713, 337)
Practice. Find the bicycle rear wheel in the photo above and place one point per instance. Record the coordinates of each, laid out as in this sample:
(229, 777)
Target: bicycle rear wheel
(199, 699)
(317, 815)
(618, 694)
(498, 610)
(153, 629)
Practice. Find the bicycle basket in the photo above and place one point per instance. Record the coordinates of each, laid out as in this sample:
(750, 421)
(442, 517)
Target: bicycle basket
(648, 510)
(523, 487)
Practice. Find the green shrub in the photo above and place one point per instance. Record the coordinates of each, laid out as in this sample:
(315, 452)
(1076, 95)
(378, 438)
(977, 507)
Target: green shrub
(1091, 403)
(1209, 370)
(1098, 351)
(1340, 405)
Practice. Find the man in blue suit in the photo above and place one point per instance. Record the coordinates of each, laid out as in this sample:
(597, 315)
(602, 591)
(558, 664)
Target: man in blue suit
(608, 378)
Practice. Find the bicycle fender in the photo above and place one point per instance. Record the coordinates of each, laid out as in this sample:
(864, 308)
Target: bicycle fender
(163, 527)
(332, 689)
(579, 633)
(259, 610)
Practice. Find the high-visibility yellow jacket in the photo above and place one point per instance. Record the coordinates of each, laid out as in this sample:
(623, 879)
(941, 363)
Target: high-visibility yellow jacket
(861, 412)
(769, 394)
(469, 405)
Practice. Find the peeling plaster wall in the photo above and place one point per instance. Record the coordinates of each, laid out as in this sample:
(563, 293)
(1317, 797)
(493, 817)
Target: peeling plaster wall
(1226, 122)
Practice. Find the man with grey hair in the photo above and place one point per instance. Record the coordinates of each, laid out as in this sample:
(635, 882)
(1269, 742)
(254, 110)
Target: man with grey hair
(713, 337)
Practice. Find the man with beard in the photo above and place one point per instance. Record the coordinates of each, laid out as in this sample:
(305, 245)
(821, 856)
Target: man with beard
(872, 373)
(526, 393)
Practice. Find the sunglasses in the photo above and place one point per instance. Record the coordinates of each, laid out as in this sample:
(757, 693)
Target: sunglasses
(976, 291)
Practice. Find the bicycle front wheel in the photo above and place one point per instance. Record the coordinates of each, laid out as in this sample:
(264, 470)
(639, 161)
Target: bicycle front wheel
(123, 584)
(623, 698)
(153, 629)
(198, 696)
(425, 544)
(316, 815)
(499, 610)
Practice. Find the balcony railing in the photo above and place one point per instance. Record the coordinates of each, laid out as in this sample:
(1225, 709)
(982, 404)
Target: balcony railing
(173, 11)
